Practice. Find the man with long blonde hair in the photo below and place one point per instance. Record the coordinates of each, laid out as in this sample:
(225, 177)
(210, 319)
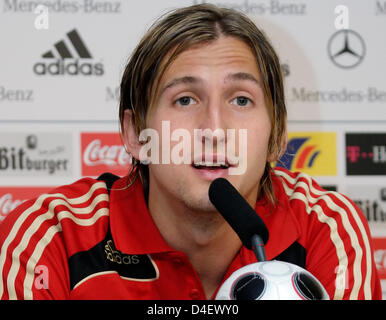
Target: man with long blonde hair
(154, 234)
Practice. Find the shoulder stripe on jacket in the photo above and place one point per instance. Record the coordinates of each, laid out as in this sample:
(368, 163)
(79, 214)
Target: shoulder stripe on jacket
(46, 239)
(316, 195)
(39, 220)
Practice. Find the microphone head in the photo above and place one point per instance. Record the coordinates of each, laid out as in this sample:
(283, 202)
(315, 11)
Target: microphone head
(237, 212)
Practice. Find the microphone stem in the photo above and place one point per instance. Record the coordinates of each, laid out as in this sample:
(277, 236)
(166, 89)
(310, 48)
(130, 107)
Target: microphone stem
(258, 248)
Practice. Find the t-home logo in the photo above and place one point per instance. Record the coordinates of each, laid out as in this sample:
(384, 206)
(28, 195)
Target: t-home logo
(313, 153)
(366, 153)
(70, 56)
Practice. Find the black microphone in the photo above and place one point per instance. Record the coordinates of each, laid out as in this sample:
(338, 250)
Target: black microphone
(240, 215)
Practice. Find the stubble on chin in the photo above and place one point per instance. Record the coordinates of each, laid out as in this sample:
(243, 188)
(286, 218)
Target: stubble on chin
(195, 201)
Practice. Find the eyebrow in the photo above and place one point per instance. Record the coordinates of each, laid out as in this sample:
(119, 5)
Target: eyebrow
(238, 76)
(181, 80)
(241, 76)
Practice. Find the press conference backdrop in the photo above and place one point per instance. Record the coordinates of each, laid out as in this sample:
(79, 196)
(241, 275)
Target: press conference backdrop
(61, 62)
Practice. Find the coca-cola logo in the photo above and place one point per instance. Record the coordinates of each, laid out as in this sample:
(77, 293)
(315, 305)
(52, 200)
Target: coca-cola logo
(380, 262)
(12, 197)
(96, 154)
(103, 152)
(7, 204)
(379, 245)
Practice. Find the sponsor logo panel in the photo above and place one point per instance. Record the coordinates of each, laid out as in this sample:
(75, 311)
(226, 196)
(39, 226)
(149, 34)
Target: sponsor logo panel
(337, 95)
(11, 197)
(103, 152)
(346, 48)
(371, 199)
(63, 6)
(267, 7)
(8, 94)
(379, 245)
(69, 57)
(313, 153)
(36, 154)
(366, 153)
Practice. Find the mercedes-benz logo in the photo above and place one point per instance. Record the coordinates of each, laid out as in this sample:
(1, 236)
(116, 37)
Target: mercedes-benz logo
(346, 48)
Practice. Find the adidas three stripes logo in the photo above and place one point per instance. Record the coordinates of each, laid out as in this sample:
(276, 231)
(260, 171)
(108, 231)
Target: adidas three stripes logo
(63, 50)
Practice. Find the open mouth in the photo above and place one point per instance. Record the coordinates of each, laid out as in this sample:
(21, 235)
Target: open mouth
(210, 166)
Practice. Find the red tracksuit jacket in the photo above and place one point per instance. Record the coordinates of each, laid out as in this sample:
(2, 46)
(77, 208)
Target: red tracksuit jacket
(95, 239)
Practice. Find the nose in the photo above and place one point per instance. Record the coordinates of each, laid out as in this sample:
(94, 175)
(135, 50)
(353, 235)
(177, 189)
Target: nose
(212, 115)
(213, 122)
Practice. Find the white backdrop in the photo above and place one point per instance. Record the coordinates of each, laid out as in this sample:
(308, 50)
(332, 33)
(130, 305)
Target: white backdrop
(61, 63)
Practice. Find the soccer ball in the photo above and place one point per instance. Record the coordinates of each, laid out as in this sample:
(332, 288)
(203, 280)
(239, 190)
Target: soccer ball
(272, 280)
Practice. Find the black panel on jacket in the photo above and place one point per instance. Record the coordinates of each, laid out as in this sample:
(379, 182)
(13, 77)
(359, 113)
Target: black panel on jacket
(104, 257)
(109, 179)
(295, 254)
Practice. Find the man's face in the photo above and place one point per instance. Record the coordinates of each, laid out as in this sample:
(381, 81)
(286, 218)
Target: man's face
(216, 86)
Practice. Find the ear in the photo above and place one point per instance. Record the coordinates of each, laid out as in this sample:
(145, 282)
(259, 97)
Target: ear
(129, 136)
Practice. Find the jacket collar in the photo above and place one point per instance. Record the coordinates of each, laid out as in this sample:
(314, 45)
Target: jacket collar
(132, 227)
(281, 222)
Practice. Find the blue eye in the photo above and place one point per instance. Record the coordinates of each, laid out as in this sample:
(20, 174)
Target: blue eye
(185, 101)
(241, 101)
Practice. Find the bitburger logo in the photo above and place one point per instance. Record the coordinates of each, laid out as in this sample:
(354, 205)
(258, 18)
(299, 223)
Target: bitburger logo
(70, 56)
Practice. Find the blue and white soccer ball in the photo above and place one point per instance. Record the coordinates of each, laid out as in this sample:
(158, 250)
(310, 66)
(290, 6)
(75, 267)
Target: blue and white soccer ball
(272, 280)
